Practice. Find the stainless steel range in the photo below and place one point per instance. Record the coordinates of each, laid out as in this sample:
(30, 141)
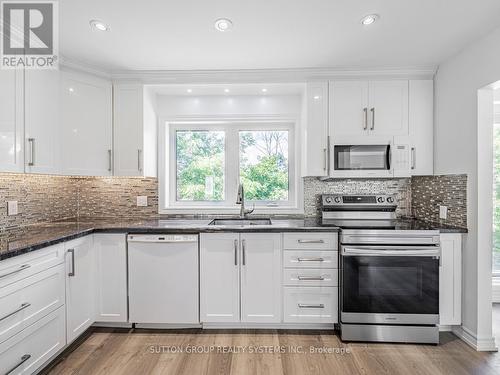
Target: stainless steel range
(389, 283)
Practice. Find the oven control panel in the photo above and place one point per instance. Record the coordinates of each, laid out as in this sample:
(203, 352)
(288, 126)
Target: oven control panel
(332, 200)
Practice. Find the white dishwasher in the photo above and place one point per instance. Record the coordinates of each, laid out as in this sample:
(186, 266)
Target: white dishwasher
(163, 279)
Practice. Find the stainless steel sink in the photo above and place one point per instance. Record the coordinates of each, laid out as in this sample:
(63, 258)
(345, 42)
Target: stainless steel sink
(240, 222)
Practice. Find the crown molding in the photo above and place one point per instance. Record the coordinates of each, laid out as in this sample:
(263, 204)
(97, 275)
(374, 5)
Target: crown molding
(267, 75)
(66, 63)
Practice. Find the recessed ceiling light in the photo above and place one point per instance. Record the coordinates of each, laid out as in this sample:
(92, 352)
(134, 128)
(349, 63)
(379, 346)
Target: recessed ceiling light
(369, 19)
(223, 24)
(71, 89)
(98, 25)
(189, 91)
(316, 97)
(226, 90)
(264, 90)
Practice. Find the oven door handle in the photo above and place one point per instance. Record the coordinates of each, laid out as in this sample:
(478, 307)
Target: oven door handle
(394, 251)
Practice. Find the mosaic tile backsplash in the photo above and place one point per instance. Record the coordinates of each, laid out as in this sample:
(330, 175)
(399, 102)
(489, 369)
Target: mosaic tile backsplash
(48, 198)
(429, 192)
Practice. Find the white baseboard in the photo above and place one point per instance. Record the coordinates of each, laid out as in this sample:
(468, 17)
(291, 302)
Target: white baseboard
(112, 325)
(167, 326)
(302, 326)
(483, 344)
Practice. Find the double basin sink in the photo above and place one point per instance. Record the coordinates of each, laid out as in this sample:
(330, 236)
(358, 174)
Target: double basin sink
(240, 222)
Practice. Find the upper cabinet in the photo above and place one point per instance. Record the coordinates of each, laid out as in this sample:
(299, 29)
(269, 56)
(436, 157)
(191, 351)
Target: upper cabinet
(368, 108)
(42, 121)
(86, 126)
(134, 131)
(315, 134)
(11, 121)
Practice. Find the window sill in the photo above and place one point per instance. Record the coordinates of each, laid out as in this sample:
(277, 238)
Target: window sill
(201, 210)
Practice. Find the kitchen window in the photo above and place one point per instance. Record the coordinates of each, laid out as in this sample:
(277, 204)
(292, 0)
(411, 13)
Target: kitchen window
(202, 163)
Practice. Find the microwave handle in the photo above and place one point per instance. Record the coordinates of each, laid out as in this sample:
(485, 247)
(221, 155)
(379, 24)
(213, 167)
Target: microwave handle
(389, 157)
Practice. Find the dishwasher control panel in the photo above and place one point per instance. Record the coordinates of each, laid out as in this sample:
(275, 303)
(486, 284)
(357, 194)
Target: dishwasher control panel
(162, 238)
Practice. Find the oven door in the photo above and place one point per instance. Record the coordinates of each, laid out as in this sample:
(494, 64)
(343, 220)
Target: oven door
(390, 284)
(362, 160)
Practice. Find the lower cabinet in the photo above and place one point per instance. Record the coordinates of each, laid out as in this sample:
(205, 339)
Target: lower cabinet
(450, 280)
(240, 270)
(80, 286)
(111, 277)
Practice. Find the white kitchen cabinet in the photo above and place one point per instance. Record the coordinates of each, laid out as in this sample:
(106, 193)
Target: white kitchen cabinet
(368, 108)
(11, 121)
(421, 125)
(388, 108)
(260, 277)
(315, 139)
(80, 286)
(348, 109)
(134, 131)
(219, 278)
(42, 121)
(450, 280)
(86, 125)
(111, 277)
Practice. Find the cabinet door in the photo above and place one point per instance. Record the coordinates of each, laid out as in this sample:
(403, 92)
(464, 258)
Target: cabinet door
(80, 287)
(450, 280)
(111, 277)
(315, 131)
(219, 277)
(348, 109)
(260, 278)
(86, 125)
(128, 130)
(421, 127)
(11, 121)
(388, 106)
(42, 131)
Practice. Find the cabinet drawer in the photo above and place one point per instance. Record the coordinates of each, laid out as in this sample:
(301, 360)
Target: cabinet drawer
(310, 277)
(17, 268)
(310, 259)
(31, 348)
(26, 301)
(320, 241)
(310, 305)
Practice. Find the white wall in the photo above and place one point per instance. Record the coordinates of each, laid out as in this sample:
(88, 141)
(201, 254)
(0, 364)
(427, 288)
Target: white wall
(456, 151)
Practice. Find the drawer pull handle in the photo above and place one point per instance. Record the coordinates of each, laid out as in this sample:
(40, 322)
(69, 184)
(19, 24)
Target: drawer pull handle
(308, 306)
(311, 241)
(24, 358)
(310, 259)
(23, 267)
(310, 278)
(20, 308)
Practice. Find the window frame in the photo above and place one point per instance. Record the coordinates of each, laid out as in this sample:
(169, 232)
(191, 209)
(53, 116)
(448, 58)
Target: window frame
(168, 203)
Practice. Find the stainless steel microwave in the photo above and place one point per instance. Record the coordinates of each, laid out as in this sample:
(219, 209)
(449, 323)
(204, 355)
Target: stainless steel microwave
(380, 159)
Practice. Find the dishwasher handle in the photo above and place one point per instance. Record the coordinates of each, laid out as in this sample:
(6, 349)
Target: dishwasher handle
(167, 238)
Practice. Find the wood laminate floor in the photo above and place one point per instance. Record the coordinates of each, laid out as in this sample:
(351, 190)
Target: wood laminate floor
(121, 352)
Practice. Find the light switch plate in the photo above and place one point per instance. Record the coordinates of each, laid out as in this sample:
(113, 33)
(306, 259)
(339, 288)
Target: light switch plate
(12, 208)
(142, 201)
(443, 212)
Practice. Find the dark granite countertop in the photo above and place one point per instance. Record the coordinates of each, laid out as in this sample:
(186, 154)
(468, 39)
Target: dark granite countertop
(19, 241)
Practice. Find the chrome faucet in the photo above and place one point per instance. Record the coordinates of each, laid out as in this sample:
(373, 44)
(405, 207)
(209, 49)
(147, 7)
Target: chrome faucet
(240, 199)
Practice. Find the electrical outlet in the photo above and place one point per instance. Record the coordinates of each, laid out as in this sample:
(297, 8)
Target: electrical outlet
(12, 208)
(443, 212)
(142, 201)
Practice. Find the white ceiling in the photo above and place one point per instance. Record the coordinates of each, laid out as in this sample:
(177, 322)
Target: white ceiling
(229, 89)
(179, 34)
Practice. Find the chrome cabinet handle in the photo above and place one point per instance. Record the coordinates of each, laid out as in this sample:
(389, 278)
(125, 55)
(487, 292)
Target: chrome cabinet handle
(244, 252)
(20, 308)
(21, 268)
(310, 278)
(311, 306)
(325, 157)
(139, 157)
(365, 124)
(235, 252)
(24, 358)
(31, 160)
(413, 158)
(110, 161)
(72, 252)
(311, 241)
(310, 259)
(373, 118)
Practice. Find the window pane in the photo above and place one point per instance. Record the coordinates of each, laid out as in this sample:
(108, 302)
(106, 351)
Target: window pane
(496, 199)
(200, 165)
(264, 165)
